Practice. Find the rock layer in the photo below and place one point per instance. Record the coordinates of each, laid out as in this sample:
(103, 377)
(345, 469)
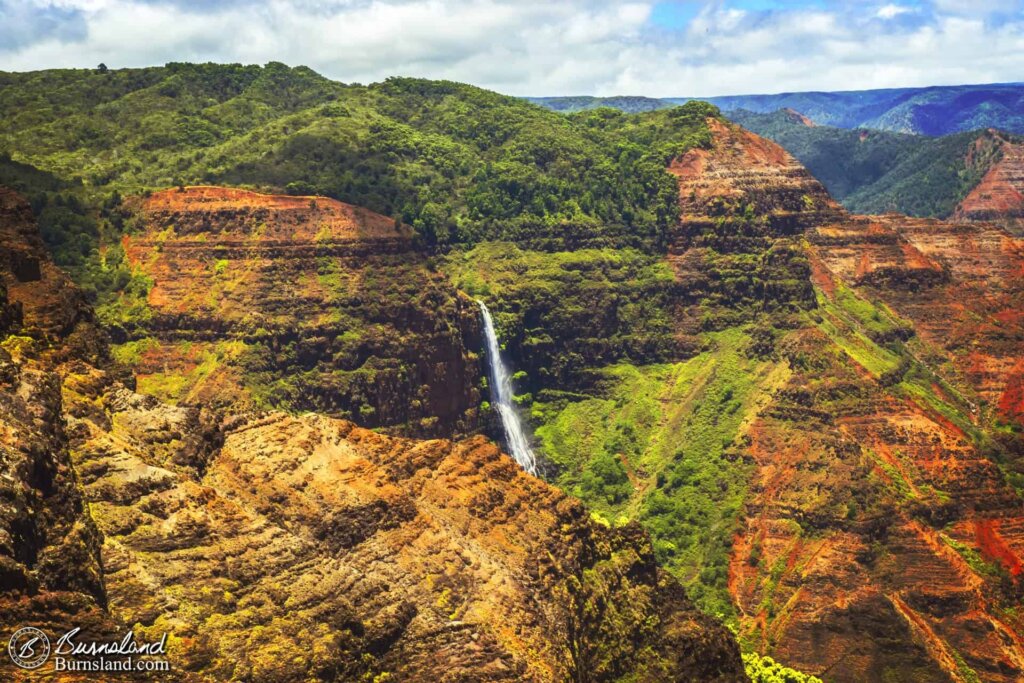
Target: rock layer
(299, 302)
(999, 197)
(742, 203)
(51, 569)
(279, 548)
(881, 538)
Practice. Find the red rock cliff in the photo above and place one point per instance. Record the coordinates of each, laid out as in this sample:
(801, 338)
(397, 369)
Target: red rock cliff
(299, 302)
(881, 540)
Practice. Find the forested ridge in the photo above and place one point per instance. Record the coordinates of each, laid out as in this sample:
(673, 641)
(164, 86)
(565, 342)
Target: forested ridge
(456, 162)
(875, 171)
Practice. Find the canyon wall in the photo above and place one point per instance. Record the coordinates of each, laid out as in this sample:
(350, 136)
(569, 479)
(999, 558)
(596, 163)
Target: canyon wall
(302, 303)
(999, 197)
(276, 547)
(881, 537)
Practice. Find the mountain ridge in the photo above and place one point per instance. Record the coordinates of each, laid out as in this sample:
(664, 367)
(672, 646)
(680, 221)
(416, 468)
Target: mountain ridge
(932, 110)
(875, 171)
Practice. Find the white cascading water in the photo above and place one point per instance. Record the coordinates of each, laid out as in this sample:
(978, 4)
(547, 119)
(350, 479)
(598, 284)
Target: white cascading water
(501, 393)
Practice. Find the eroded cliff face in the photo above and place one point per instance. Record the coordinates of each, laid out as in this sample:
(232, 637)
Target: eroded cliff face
(958, 285)
(999, 197)
(302, 303)
(311, 547)
(278, 548)
(50, 547)
(882, 538)
(743, 205)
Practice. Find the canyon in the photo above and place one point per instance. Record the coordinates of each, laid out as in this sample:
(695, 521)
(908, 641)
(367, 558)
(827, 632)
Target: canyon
(277, 441)
(879, 535)
(276, 547)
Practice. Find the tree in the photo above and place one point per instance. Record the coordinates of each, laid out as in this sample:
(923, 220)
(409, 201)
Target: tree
(102, 68)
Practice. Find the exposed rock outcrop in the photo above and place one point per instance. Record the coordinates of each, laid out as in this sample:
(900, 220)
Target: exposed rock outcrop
(311, 547)
(881, 539)
(957, 284)
(743, 202)
(281, 548)
(303, 303)
(999, 197)
(745, 174)
(50, 548)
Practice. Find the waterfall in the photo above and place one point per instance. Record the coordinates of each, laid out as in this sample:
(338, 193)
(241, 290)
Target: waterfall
(501, 393)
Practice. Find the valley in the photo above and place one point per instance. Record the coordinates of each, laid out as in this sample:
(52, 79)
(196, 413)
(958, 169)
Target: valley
(763, 424)
(965, 176)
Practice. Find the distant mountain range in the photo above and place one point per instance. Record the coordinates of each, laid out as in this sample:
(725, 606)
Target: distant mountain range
(937, 110)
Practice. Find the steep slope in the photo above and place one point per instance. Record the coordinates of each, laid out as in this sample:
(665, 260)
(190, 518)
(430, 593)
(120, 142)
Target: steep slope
(872, 171)
(842, 486)
(999, 197)
(50, 560)
(878, 457)
(295, 302)
(741, 202)
(361, 558)
(868, 458)
(277, 548)
(816, 416)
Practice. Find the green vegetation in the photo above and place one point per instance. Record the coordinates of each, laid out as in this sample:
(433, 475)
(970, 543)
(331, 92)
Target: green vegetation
(937, 110)
(873, 171)
(131, 353)
(767, 670)
(967, 674)
(80, 226)
(628, 104)
(457, 163)
(562, 315)
(849, 322)
(640, 374)
(972, 557)
(585, 199)
(656, 446)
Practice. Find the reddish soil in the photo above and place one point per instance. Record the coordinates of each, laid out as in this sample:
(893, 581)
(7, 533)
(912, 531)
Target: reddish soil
(797, 117)
(835, 570)
(222, 209)
(1000, 194)
(994, 547)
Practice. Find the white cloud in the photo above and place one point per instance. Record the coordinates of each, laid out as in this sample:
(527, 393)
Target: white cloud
(891, 11)
(538, 47)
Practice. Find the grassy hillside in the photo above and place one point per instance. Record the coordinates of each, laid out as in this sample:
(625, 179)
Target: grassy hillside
(873, 171)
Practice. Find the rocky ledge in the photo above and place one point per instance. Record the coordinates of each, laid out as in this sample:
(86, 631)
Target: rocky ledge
(302, 303)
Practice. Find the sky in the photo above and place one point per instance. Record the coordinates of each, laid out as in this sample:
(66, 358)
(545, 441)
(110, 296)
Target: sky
(658, 48)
